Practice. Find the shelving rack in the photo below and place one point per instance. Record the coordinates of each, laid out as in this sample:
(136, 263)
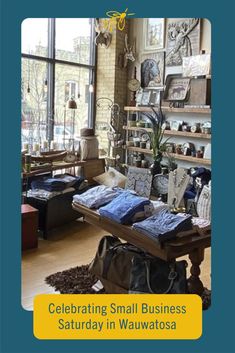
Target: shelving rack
(167, 133)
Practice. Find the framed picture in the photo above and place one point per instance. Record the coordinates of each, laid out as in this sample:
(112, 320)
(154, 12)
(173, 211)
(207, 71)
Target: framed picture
(154, 30)
(183, 39)
(175, 125)
(177, 88)
(145, 97)
(197, 65)
(152, 70)
(138, 97)
(155, 97)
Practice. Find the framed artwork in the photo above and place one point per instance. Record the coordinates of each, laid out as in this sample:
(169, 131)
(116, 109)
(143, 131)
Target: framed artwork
(177, 88)
(152, 70)
(197, 65)
(155, 97)
(154, 30)
(139, 180)
(183, 39)
(145, 97)
(138, 97)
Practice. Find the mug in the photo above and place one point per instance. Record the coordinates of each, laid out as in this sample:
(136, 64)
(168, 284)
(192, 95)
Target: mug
(142, 144)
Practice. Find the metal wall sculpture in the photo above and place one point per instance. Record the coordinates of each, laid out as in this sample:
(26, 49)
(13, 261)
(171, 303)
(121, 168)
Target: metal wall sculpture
(183, 39)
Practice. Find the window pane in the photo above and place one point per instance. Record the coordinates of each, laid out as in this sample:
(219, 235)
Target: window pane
(34, 34)
(73, 36)
(70, 82)
(33, 102)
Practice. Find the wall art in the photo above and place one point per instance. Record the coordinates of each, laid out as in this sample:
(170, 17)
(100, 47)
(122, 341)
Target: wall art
(197, 65)
(183, 39)
(153, 33)
(152, 70)
(177, 88)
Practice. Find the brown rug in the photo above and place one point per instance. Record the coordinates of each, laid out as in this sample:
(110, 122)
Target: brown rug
(78, 280)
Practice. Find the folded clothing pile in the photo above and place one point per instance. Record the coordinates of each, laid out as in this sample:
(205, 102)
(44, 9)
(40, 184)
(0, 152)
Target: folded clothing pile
(125, 207)
(47, 195)
(97, 196)
(164, 225)
(56, 183)
(77, 182)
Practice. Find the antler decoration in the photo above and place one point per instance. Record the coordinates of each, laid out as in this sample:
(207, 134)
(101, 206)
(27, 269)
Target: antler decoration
(104, 37)
(128, 52)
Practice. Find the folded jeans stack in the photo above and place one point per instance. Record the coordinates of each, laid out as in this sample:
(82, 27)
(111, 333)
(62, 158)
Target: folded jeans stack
(124, 207)
(164, 225)
(97, 196)
(47, 195)
(55, 184)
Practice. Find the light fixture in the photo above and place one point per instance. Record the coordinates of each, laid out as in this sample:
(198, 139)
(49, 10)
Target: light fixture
(71, 104)
(91, 88)
(91, 85)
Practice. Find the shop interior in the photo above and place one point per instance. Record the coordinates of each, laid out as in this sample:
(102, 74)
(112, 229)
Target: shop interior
(116, 156)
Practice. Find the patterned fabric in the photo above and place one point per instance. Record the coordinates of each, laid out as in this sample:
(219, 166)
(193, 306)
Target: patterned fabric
(140, 180)
(204, 203)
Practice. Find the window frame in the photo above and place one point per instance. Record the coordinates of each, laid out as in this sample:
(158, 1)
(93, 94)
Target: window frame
(52, 61)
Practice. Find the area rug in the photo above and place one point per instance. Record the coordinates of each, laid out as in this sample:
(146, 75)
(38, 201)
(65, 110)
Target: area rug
(78, 280)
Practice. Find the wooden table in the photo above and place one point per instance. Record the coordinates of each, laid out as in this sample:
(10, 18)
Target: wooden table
(192, 243)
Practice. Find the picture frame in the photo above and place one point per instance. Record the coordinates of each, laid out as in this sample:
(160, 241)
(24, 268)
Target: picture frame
(177, 88)
(155, 96)
(152, 69)
(175, 125)
(138, 97)
(145, 97)
(196, 65)
(153, 33)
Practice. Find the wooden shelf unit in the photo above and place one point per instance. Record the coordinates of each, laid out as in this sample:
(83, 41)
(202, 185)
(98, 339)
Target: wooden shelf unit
(184, 134)
(175, 155)
(168, 110)
(172, 132)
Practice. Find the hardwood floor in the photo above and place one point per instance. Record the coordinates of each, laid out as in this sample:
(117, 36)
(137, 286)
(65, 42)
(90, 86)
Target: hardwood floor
(68, 246)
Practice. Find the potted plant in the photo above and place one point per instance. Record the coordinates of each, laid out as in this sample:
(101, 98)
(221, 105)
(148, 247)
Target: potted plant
(156, 138)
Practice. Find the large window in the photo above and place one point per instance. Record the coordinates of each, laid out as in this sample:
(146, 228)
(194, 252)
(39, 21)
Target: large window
(57, 65)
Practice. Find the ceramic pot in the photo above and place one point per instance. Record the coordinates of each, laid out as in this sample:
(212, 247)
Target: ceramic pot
(156, 167)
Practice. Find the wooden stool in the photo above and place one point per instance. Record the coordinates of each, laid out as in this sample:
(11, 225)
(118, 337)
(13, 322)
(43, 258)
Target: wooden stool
(29, 234)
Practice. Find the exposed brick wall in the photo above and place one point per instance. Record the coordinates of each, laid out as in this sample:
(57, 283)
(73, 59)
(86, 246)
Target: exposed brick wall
(111, 83)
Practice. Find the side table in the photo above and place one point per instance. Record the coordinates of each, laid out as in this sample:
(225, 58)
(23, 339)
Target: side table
(29, 230)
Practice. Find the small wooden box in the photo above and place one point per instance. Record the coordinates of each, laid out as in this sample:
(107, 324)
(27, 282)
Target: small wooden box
(200, 92)
(29, 234)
